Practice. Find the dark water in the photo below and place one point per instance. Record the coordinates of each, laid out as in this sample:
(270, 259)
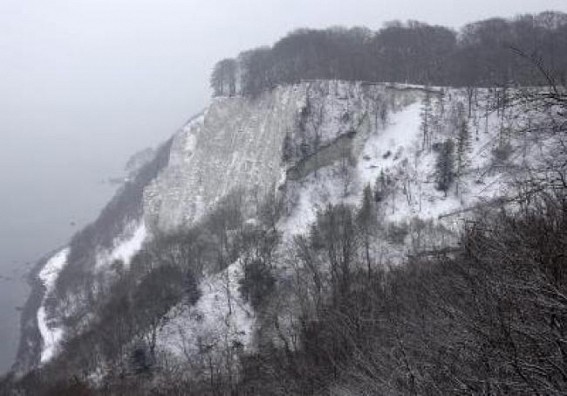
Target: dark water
(76, 100)
(39, 211)
(12, 294)
(53, 180)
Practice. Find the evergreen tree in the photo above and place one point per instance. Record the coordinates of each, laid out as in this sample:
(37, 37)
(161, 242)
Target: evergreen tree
(426, 120)
(367, 221)
(438, 115)
(287, 148)
(381, 187)
(445, 166)
(463, 143)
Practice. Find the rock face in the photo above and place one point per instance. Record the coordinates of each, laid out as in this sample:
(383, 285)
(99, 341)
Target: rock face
(235, 143)
(317, 142)
(249, 144)
(274, 141)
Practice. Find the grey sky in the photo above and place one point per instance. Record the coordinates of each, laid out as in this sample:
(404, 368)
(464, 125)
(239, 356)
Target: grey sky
(85, 83)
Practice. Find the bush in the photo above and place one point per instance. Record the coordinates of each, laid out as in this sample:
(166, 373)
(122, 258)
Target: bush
(257, 283)
(502, 153)
(397, 233)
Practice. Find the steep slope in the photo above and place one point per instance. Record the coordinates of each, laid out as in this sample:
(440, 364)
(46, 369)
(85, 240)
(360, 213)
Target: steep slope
(311, 145)
(398, 150)
(60, 299)
(238, 143)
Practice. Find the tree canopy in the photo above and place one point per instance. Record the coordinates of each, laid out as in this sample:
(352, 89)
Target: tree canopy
(483, 53)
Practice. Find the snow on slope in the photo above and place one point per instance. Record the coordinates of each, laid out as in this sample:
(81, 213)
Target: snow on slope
(327, 185)
(385, 146)
(398, 153)
(51, 334)
(219, 321)
(395, 152)
(389, 146)
(125, 246)
(238, 142)
(128, 247)
(50, 329)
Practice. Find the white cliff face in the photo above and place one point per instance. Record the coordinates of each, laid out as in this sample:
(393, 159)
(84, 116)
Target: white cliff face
(320, 143)
(235, 144)
(238, 143)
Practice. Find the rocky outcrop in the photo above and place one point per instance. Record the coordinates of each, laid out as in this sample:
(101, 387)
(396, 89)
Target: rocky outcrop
(250, 144)
(277, 139)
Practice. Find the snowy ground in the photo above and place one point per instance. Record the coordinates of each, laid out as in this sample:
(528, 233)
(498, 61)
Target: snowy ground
(239, 143)
(125, 246)
(384, 150)
(51, 334)
(397, 151)
(219, 323)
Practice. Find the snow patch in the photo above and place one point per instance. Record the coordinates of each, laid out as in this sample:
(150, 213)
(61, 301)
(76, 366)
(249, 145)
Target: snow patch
(51, 335)
(219, 321)
(327, 185)
(313, 193)
(386, 148)
(125, 246)
(395, 151)
(126, 250)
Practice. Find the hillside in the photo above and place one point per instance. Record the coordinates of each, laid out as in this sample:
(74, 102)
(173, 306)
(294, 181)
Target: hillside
(261, 219)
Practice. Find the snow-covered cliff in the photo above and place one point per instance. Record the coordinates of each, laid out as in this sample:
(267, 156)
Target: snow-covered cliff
(314, 143)
(238, 143)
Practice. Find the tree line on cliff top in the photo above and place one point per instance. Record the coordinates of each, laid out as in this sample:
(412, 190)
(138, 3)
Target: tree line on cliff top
(492, 52)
